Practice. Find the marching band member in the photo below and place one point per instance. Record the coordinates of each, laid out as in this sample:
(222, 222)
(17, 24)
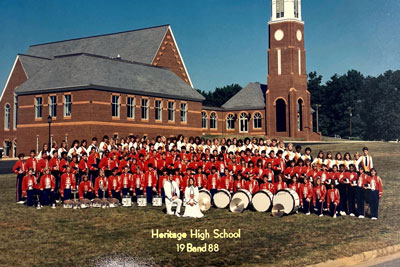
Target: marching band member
(252, 184)
(191, 198)
(82, 149)
(68, 182)
(162, 179)
(319, 160)
(92, 145)
(63, 163)
(74, 149)
(45, 150)
(213, 181)
(29, 187)
(353, 177)
(19, 170)
(306, 195)
(295, 185)
(172, 196)
(267, 185)
(104, 145)
(47, 187)
(307, 155)
(338, 160)
(85, 188)
(83, 166)
(226, 181)
(290, 171)
(114, 184)
(138, 183)
(54, 165)
(150, 179)
(239, 183)
(200, 178)
(366, 161)
(74, 165)
(360, 192)
(126, 181)
(101, 185)
(374, 193)
(328, 160)
(333, 201)
(92, 164)
(43, 164)
(319, 196)
(280, 184)
(347, 160)
(297, 154)
(63, 148)
(343, 188)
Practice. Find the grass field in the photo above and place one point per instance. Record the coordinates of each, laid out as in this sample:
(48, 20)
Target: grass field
(98, 237)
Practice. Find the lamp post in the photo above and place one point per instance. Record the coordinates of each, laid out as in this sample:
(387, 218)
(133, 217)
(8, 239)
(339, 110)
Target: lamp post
(49, 120)
(317, 106)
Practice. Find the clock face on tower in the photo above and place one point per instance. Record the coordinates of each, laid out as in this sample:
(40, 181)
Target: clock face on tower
(279, 35)
(299, 35)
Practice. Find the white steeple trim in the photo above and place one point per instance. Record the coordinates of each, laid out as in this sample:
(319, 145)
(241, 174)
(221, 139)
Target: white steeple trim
(288, 11)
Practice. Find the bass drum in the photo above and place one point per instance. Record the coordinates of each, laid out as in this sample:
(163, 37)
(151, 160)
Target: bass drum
(204, 199)
(222, 198)
(288, 198)
(262, 200)
(243, 195)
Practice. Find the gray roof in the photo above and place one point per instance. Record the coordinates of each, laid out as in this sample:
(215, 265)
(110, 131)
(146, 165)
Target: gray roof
(137, 45)
(85, 71)
(32, 64)
(250, 97)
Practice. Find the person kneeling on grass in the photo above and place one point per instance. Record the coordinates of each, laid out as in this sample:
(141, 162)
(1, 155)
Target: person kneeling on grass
(191, 199)
(172, 192)
(333, 199)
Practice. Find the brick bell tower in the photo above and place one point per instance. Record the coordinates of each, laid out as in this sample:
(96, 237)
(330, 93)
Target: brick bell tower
(287, 97)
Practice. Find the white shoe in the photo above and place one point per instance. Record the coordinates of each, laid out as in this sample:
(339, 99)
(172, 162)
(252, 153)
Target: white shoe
(343, 213)
(334, 216)
(171, 213)
(21, 202)
(178, 215)
(325, 209)
(352, 215)
(53, 206)
(307, 213)
(321, 215)
(57, 201)
(361, 216)
(374, 218)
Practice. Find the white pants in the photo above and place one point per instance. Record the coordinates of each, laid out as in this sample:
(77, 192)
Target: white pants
(168, 205)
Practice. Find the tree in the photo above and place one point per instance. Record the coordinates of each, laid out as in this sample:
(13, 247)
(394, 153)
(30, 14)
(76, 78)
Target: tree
(220, 95)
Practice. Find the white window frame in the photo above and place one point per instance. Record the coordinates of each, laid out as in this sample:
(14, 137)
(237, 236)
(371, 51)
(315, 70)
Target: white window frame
(171, 111)
(15, 114)
(38, 107)
(158, 110)
(130, 107)
(183, 112)
(204, 120)
(230, 122)
(7, 116)
(67, 105)
(243, 123)
(213, 118)
(144, 107)
(53, 106)
(257, 116)
(115, 106)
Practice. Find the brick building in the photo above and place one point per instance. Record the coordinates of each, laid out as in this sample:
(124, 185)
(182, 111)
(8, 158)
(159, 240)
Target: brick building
(136, 83)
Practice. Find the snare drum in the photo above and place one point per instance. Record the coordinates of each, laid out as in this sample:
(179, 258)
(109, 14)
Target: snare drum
(85, 203)
(288, 198)
(157, 201)
(262, 200)
(244, 195)
(204, 198)
(68, 204)
(142, 201)
(126, 201)
(222, 198)
(97, 203)
(113, 202)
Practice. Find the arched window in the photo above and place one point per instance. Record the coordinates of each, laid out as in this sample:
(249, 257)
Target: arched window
(280, 9)
(257, 122)
(204, 119)
(230, 122)
(244, 123)
(280, 115)
(213, 121)
(300, 115)
(7, 119)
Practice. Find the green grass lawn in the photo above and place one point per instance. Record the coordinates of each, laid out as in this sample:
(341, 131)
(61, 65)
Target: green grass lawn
(97, 236)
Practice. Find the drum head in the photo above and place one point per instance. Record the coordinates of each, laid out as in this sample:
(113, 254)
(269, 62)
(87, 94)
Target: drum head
(244, 196)
(261, 201)
(221, 199)
(286, 199)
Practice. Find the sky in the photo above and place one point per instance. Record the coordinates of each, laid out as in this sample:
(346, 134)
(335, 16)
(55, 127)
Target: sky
(221, 41)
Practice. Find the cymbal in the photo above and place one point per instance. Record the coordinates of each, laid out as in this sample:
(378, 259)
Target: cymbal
(236, 205)
(278, 210)
(204, 204)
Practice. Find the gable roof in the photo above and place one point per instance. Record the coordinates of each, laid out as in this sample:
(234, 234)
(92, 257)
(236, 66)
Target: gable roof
(86, 71)
(137, 45)
(250, 97)
(32, 64)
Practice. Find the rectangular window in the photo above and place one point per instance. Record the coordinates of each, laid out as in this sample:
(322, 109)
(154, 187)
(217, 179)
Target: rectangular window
(130, 107)
(38, 107)
(296, 8)
(145, 109)
(171, 111)
(299, 56)
(115, 105)
(280, 8)
(158, 110)
(67, 105)
(183, 112)
(53, 106)
(15, 114)
(279, 62)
